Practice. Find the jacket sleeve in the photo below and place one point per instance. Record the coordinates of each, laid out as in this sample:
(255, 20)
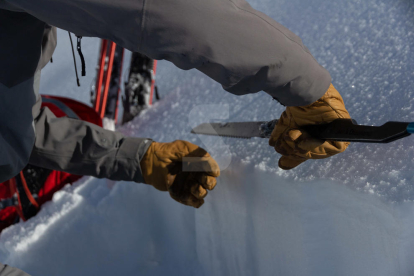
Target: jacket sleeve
(21, 36)
(6, 270)
(239, 47)
(82, 148)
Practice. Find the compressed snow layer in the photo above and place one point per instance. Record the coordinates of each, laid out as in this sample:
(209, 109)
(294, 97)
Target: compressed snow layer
(352, 214)
(253, 224)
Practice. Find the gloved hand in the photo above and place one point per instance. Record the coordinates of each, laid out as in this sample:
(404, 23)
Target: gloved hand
(296, 145)
(182, 168)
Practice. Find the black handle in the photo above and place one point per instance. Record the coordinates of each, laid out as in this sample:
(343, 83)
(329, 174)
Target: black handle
(347, 130)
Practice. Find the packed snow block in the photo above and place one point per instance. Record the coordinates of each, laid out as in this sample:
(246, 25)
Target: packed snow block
(254, 223)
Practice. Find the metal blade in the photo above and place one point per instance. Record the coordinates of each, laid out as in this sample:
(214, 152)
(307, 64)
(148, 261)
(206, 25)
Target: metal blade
(244, 130)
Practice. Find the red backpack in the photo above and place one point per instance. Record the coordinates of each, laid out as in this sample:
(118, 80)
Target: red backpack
(22, 196)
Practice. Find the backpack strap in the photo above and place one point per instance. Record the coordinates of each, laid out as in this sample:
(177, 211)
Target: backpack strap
(7, 202)
(69, 112)
(27, 191)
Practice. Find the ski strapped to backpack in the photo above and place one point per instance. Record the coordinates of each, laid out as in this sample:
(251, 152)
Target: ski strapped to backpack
(140, 87)
(104, 76)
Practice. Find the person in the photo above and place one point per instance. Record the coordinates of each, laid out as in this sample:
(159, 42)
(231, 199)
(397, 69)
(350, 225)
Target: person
(241, 48)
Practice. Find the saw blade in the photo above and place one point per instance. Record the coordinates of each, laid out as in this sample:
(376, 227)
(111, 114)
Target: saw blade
(244, 130)
(343, 130)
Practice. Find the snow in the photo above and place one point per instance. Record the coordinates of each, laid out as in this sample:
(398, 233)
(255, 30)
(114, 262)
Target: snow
(249, 226)
(352, 214)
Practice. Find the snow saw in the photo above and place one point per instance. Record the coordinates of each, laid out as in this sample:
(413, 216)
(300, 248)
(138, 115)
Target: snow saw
(344, 130)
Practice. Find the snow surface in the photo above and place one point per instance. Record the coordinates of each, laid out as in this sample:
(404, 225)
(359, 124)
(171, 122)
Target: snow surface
(352, 214)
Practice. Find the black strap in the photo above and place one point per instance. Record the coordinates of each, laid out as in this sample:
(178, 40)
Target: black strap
(157, 95)
(7, 202)
(68, 111)
(74, 60)
(81, 56)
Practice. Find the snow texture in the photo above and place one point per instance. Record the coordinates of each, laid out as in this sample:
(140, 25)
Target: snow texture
(352, 214)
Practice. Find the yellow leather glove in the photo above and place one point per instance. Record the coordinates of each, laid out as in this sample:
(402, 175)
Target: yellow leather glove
(183, 169)
(296, 145)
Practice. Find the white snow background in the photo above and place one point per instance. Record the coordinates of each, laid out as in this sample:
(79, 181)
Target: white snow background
(352, 214)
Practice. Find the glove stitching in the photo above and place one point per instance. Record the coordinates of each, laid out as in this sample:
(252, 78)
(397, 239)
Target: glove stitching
(339, 115)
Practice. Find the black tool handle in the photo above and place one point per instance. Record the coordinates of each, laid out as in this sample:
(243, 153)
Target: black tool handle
(347, 130)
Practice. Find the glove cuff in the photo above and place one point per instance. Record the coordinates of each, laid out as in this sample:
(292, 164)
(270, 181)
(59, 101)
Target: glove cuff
(130, 154)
